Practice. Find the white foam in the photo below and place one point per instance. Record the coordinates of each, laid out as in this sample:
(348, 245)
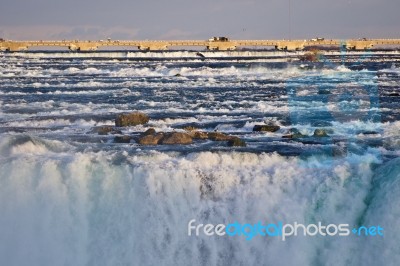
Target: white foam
(46, 123)
(383, 210)
(76, 206)
(29, 148)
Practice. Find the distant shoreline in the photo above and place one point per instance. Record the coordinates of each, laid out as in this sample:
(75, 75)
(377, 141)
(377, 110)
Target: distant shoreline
(213, 44)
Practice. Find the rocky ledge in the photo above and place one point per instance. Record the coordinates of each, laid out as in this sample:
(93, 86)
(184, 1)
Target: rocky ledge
(151, 137)
(190, 134)
(131, 119)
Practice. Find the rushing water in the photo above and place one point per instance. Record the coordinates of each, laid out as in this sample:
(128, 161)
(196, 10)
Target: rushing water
(69, 196)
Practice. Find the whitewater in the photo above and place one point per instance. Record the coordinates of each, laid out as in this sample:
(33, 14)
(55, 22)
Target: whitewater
(70, 196)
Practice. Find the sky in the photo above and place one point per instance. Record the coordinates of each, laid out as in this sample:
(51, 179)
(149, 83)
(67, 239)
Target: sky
(202, 19)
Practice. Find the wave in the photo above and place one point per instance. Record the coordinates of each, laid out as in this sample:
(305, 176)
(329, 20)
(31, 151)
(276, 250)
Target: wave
(69, 196)
(26, 145)
(269, 54)
(46, 123)
(383, 210)
(141, 54)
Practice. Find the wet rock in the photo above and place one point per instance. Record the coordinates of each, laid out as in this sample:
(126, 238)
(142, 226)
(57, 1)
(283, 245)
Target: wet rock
(105, 130)
(200, 54)
(369, 132)
(266, 128)
(236, 142)
(102, 130)
(320, 133)
(150, 139)
(176, 138)
(150, 131)
(131, 119)
(116, 131)
(178, 75)
(324, 92)
(293, 133)
(122, 139)
(218, 136)
(311, 56)
(199, 135)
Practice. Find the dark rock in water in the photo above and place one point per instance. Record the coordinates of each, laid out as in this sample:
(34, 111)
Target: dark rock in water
(150, 131)
(369, 133)
(151, 139)
(122, 139)
(293, 133)
(102, 130)
(176, 138)
(266, 128)
(311, 56)
(324, 91)
(218, 136)
(200, 54)
(131, 119)
(293, 130)
(199, 135)
(178, 75)
(320, 133)
(105, 130)
(116, 131)
(236, 142)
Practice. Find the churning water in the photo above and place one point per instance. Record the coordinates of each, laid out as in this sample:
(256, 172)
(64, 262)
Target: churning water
(69, 196)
